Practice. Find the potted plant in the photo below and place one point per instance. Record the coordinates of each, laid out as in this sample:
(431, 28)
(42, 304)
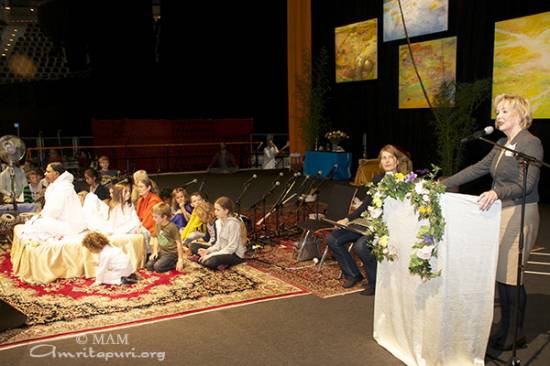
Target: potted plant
(313, 92)
(455, 105)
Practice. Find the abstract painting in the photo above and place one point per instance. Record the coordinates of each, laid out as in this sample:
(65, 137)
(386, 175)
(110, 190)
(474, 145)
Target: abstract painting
(421, 17)
(521, 61)
(356, 51)
(436, 63)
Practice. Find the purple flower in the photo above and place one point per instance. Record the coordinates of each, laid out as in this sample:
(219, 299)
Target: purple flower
(410, 177)
(428, 239)
(422, 171)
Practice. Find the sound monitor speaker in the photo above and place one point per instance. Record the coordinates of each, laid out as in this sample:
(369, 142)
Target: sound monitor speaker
(10, 317)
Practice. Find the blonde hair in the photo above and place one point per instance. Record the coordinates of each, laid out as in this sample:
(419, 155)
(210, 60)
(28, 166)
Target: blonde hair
(162, 209)
(140, 175)
(205, 212)
(173, 201)
(95, 242)
(519, 104)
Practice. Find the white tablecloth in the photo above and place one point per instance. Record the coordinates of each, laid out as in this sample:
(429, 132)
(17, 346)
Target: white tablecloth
(447, 320)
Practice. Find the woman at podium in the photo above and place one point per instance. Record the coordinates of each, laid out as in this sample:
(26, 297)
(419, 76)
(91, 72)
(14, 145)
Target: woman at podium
(513, 118)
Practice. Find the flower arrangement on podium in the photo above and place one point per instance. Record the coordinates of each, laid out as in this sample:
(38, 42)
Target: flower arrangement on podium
(335, 137)
(423, 194)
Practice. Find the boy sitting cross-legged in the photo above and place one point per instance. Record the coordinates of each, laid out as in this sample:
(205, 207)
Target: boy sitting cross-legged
(166, 248)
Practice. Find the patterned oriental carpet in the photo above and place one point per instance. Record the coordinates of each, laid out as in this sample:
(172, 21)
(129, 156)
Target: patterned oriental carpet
(69, 306)
(280, 261)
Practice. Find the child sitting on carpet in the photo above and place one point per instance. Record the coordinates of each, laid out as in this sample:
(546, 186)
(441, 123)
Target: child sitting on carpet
(195, 224)
(229, 246)
(167, 251)
(181, 207)
(205, 212)
(114, 266)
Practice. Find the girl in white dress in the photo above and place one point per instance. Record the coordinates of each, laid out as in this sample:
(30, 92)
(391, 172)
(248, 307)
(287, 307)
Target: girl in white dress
(114, 266)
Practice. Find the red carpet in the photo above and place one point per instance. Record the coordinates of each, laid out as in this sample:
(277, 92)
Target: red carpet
(70, 306)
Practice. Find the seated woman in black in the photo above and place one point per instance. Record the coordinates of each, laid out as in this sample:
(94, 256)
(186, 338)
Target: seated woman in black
(339, 239)
(92, 179)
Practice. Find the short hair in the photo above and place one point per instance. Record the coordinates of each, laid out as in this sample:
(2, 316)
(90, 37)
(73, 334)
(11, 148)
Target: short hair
(95, 241)
(57, 167)
(162, 209)
(91, 172)
(519, 104)
(103, 157)
(33, 171)
(165, 193)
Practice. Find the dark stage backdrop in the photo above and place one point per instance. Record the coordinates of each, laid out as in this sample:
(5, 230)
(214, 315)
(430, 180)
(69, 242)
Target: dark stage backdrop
(372, 106)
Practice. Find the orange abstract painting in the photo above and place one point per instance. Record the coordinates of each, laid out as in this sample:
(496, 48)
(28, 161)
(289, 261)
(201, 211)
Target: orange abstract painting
(356, 51)
(436, 63)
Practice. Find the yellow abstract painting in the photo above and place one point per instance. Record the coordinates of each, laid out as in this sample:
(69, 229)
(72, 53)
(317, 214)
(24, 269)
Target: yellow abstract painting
(356, 51)
(522, 61)
(436, 63)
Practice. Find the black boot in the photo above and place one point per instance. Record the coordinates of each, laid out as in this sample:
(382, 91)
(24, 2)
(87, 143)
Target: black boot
(503, 338)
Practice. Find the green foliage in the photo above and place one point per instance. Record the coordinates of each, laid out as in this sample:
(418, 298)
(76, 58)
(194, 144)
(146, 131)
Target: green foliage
(423, 194)
(312, 91)
(456, 121)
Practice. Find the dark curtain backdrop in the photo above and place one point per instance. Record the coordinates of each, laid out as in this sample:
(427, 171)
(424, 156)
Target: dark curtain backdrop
(372, 106)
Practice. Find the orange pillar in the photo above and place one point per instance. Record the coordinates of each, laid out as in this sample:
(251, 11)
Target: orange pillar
(298, 52)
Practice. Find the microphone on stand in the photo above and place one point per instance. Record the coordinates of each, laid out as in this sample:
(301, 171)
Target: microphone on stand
(332, 171)
(474, 136)
(249, 180)
(201, 186)
(259, 146)
(190, 182)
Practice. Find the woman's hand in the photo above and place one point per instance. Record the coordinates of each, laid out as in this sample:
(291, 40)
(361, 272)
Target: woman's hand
(486, 200)
(344, 221)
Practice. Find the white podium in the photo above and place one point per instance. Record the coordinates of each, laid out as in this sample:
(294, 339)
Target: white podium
(447, 320)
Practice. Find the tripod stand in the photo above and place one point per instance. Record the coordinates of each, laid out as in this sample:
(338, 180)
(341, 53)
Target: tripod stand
(525, 161)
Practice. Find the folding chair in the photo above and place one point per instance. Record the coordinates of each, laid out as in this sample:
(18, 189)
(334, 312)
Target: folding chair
(339, 203)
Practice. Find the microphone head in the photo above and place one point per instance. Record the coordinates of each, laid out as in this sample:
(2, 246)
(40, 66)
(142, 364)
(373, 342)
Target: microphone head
(488, 130)
(335, 166)
(320, 172)
(281, 174)
(254, 176)
(277, 183)
(195, 180)
(297, 174)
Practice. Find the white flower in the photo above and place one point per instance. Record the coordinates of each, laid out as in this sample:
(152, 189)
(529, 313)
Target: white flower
(419, 188)
(425, 252)
(426, 198)
(375, 212)
(408, 196)
(385, 251)
(393, 251)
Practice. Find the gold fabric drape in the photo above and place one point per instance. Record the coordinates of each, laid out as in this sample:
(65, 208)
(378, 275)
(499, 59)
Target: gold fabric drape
(298, 51)
(41, 263)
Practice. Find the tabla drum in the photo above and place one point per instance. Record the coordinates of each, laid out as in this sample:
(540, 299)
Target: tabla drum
(7, 222)
(26, 216)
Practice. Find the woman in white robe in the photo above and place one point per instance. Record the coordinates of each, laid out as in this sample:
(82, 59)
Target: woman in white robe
(62, 212)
